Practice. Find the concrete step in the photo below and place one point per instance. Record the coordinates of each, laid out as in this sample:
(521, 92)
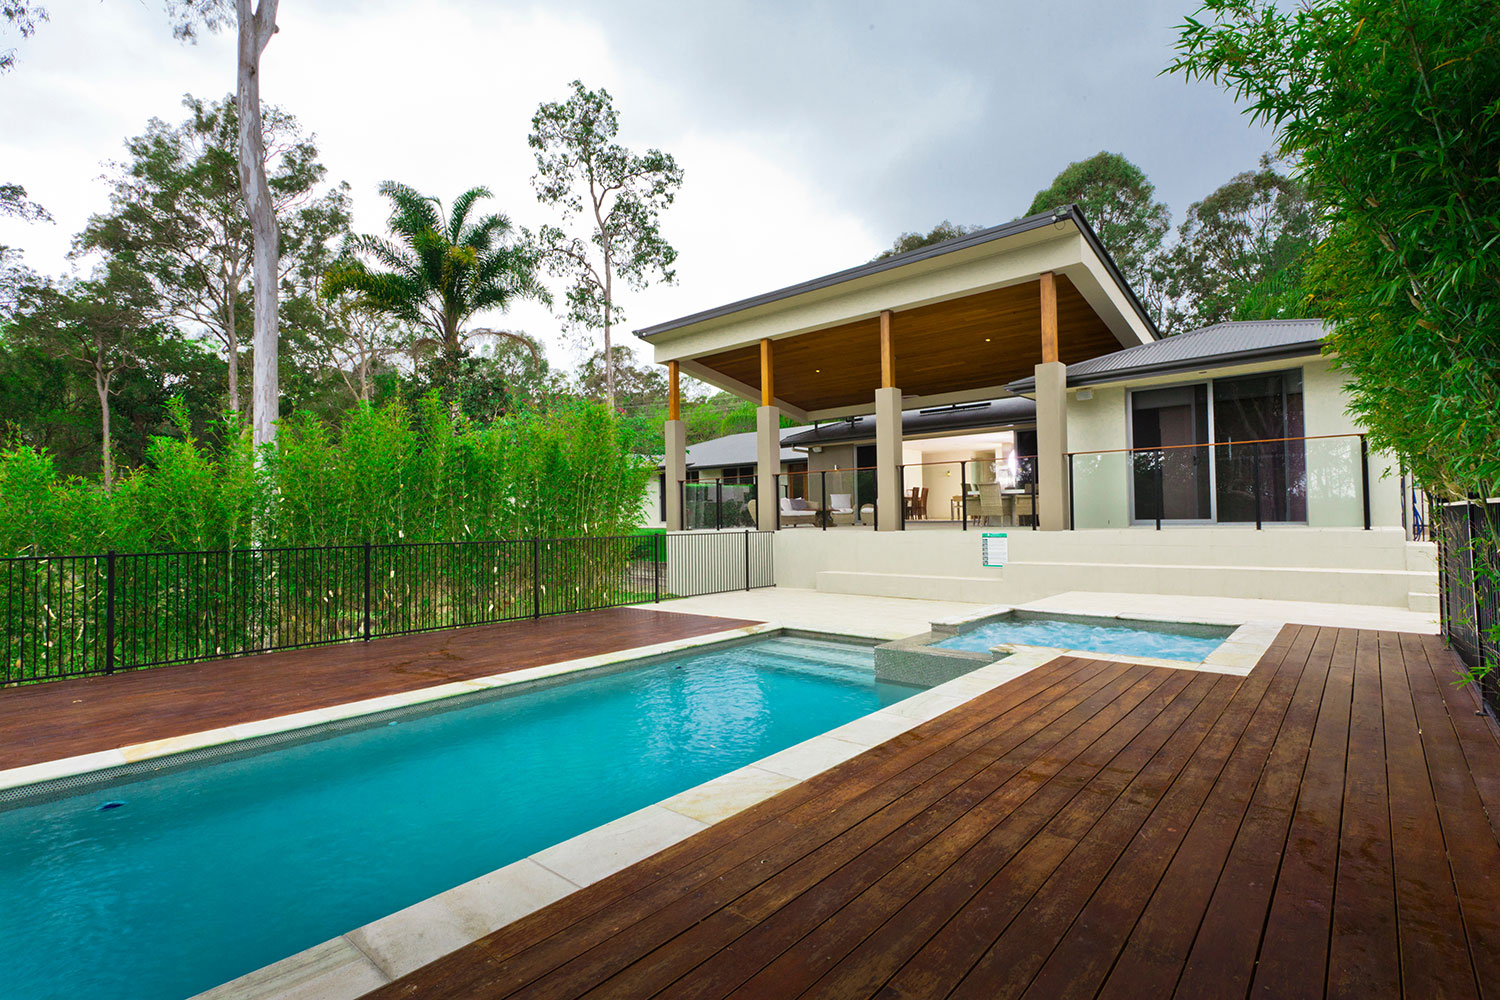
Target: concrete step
(975, 589)
(1422, 602)
(1421, 557)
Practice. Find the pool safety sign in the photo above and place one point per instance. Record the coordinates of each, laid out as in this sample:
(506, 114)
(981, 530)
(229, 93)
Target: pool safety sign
(994, 547)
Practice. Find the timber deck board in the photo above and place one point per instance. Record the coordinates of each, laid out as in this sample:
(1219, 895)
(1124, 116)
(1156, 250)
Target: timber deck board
(1317, 828)
(56, 719)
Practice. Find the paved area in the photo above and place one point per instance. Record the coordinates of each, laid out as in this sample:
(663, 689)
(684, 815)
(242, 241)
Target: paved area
(896, 618)
(1323, 827)
(816, 610)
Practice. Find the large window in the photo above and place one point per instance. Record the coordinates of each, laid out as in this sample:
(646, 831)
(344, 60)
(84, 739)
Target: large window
(1229, 450)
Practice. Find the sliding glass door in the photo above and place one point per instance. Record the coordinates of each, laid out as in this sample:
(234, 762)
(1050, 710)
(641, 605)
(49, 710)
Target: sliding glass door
(1172, 476)
(1226, 451)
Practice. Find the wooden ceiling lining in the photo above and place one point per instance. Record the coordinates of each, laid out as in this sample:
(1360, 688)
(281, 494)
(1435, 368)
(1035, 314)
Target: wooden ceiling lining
(981, 340)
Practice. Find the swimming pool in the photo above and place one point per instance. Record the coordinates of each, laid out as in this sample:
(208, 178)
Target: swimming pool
(1162, 640)
(209, 872)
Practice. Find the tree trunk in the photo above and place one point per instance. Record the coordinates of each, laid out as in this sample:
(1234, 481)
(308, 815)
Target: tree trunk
(255, 31)
(101, 386)
(609, 305)
(232, 346)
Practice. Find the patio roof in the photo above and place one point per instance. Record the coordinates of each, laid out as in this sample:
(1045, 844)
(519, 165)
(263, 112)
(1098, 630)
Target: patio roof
(965, 317)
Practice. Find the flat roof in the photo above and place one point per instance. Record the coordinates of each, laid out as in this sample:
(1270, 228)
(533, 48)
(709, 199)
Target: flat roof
(1228, 343)
(1030, 222)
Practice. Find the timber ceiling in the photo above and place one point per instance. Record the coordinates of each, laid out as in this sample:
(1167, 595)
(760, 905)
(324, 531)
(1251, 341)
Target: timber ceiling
(974, 342)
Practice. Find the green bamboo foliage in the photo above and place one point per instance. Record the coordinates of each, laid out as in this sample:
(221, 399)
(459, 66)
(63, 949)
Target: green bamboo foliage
(382, 475)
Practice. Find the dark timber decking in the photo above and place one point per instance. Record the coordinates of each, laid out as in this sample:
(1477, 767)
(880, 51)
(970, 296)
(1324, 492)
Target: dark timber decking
(63, 718)
(1326, 826)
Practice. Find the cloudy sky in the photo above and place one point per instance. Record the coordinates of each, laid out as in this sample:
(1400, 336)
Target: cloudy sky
(812, 133)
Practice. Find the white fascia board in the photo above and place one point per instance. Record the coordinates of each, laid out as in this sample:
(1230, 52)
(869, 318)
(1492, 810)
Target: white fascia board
(952, 276)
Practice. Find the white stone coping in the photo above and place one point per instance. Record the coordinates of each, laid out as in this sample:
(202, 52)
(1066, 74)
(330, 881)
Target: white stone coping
(101, 760)
(357, 962)
(1237, 654)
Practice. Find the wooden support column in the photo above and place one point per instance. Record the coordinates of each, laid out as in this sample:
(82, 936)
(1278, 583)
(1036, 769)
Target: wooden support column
(1049, 317)
(674, 396)
(767, 379)
(887, 351)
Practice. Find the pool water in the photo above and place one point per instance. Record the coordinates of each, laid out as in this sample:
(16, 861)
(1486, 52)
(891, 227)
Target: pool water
(1119, 639)
(207, 873)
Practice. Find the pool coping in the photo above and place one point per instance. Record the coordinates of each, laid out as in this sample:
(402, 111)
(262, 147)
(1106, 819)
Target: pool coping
(119, 761)
(1237, 654)
(384, 950)
(360, 960)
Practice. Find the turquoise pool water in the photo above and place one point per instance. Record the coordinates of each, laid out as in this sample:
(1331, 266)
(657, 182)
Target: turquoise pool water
(1122, 639)
(205, 874)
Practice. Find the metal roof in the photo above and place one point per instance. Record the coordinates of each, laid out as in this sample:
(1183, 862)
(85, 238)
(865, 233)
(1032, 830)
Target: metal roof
(736, 449)
(1222, 344)
(1038, 221)
(959, 417)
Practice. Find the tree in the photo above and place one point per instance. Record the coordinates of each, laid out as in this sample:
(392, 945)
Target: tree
(24, 16)
(177, 217)
(439, 274)
(941, 233)
(1242, 245)
(580, 166)
(102, 326)
(1389, 111)
(636, 384)
(1118, 201)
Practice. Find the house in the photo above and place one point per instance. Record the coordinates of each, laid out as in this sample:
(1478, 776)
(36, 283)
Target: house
(1009, 381)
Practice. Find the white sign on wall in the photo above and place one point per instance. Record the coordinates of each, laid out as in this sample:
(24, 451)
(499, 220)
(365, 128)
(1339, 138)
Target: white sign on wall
(994, 548)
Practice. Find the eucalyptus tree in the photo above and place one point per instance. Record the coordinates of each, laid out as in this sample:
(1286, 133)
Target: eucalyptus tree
(436, 273)
(1120, 203)
(102, 327)
(585, 173)
(177, 216)
(940, 233)
(1239, 246)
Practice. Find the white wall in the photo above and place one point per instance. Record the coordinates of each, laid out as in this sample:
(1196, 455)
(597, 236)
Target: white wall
(1331, 565)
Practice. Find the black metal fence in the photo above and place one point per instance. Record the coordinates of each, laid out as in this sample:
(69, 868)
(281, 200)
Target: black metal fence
(69, 616)
(1468, 534)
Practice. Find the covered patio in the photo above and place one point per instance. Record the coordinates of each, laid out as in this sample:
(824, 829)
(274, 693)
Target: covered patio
(939, 327)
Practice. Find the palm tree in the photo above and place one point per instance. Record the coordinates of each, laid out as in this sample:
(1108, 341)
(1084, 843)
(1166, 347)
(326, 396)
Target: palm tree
(438, 273)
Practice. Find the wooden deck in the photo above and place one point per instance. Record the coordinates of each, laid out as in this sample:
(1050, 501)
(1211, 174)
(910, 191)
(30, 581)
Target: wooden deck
(1326, 826)
(63, 718)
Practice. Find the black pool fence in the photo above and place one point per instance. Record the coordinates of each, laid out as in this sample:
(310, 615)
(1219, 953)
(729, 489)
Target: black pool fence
(1468, 540)
(80, 615)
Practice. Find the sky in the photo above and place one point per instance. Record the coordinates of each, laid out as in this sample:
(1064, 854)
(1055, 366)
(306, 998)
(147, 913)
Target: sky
(811, 133)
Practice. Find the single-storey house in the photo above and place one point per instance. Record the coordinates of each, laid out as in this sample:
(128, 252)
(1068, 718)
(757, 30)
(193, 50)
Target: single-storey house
(1010, 382)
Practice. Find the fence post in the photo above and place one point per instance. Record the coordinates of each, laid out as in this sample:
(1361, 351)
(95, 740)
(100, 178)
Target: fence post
(747, 559)
(536, 578)
(823, 496)
(719, 504)
(901, 478)
(963, 495)
(1364, 477)
(367, 591)
(109, 612)
(1071, 525)
(1256, 456)
(658, 548)
(1161, 493)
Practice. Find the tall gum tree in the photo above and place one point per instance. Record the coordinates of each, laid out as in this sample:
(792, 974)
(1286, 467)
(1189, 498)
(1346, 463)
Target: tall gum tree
(620, 196)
